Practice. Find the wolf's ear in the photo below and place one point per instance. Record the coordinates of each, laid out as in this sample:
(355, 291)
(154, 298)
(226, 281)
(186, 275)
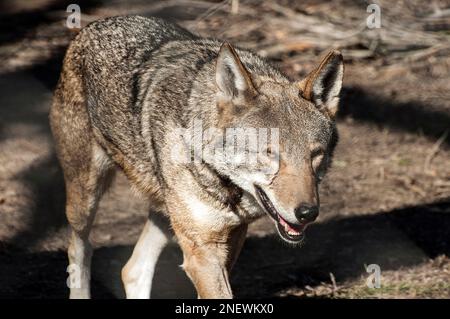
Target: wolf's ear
(323, 85)
(232, 78)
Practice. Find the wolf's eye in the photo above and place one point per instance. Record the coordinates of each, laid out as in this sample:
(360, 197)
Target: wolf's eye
(316, 161)
(317, 156)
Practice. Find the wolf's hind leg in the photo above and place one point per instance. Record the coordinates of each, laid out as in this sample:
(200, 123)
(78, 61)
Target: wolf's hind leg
(137, 275)
(87, 172)
(83, 195)
(87, 168)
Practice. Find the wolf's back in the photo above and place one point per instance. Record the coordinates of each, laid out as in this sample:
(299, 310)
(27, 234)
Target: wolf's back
(107, 56)
(113, 49)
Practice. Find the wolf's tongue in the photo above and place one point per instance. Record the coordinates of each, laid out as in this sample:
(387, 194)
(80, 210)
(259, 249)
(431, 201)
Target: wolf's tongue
(287, 227)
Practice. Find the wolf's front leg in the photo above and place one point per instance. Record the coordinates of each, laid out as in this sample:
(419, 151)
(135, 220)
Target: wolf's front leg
(208, 262)
(137, 275)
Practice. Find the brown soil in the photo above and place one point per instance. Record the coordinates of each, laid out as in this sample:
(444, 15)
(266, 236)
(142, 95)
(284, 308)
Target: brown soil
(386, 200)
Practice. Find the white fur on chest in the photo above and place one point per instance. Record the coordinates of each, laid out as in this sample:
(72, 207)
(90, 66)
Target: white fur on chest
(207, 214)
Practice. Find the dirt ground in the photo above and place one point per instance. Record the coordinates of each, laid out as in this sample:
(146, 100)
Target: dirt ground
(386, 200)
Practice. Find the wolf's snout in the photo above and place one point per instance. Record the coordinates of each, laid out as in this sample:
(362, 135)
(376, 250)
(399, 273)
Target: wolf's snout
(306, 213)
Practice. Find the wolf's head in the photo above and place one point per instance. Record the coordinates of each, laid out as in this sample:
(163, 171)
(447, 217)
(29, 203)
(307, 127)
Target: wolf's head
(304, 113)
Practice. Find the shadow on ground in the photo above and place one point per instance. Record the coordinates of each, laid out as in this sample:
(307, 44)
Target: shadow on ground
(413, 117)
(400, 238)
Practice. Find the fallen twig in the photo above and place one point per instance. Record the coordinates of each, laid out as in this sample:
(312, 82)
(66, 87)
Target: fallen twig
(434, 150)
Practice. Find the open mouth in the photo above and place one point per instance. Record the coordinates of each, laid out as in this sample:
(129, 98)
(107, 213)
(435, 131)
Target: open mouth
(289, 232)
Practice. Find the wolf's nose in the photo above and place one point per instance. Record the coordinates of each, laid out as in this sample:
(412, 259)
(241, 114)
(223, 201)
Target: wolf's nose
(306, 213)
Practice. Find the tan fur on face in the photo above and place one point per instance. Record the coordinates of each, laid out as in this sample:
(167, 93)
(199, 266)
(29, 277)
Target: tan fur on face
(294, 186)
